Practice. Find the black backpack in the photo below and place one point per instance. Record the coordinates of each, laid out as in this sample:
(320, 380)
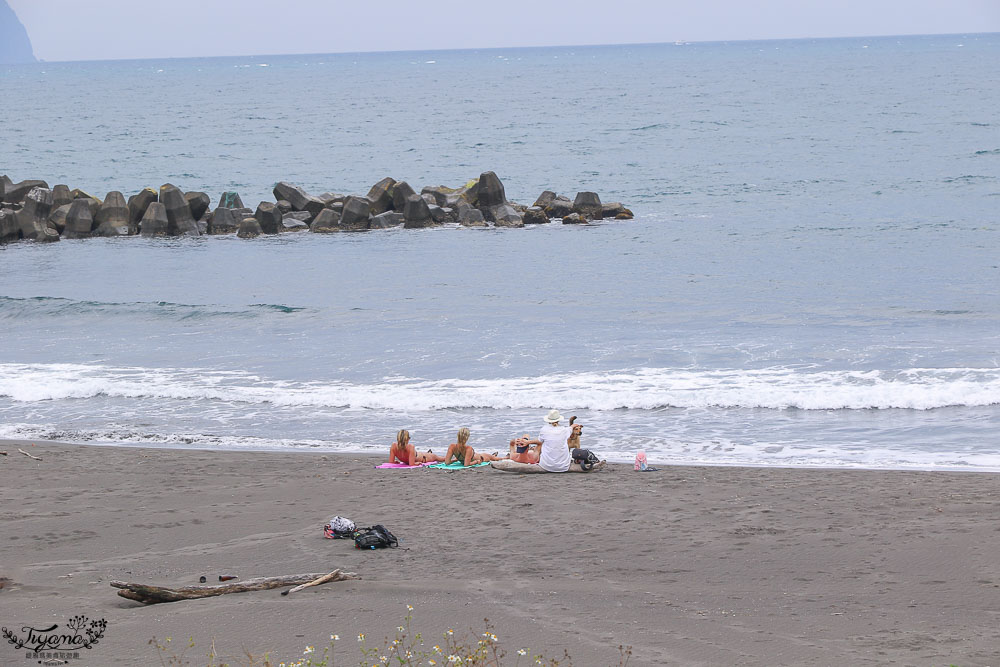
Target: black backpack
(586, 458)
(376, 537)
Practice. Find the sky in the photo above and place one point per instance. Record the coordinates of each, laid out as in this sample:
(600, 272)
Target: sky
(119, 29)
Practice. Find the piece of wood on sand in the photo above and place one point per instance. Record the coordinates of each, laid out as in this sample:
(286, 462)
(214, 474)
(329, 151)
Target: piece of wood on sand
(157, 594)
(514, 466)
(30, 456)
(322, 580)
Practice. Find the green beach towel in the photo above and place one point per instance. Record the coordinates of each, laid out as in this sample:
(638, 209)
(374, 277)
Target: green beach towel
(455, 465)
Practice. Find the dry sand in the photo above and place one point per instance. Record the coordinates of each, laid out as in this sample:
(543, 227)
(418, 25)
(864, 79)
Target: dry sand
(689, 565)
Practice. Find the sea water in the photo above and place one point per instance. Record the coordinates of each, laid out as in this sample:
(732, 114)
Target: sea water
(812, 277)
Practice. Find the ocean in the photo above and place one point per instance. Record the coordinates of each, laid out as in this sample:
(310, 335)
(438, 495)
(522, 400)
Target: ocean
(812, 277)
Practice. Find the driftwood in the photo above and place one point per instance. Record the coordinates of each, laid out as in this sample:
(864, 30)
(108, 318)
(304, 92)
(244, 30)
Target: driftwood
(513, 466)
(156, 594)
(37, 458)
(3, 453)
(322, 580)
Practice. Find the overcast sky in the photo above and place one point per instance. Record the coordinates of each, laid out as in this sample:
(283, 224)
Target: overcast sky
(111, 29)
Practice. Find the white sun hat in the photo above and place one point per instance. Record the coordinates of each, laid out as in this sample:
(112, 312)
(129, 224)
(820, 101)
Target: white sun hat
(553, 417)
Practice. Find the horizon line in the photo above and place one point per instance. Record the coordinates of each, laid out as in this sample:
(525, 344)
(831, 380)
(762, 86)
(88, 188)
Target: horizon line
(682, 42)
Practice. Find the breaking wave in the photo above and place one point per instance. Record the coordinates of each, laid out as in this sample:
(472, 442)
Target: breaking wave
(803, 388)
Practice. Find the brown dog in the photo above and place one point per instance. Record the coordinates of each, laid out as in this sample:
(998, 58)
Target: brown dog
(574, 439)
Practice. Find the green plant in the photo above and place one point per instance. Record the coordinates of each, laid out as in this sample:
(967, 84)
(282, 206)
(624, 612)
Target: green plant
(404, 649)
(166, 654)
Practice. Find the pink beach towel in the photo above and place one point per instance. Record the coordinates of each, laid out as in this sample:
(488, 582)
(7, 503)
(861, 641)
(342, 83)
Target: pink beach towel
(400, 465)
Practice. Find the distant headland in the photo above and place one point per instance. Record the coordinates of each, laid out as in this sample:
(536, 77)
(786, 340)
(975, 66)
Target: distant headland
(30, 210)
(15, 46)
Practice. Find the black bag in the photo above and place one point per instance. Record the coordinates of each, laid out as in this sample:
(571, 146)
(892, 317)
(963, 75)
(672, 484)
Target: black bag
(376, 537)
(586, 458)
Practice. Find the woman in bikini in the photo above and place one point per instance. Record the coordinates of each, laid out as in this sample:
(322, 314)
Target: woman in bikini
(460, 451)
(403, 451)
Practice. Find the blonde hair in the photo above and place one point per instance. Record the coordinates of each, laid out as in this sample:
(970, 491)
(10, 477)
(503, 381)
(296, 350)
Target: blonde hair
(402, 437)
(463, 436)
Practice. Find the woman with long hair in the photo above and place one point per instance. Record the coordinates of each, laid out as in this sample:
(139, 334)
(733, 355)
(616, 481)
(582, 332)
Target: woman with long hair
(460, 451)
(403, 451)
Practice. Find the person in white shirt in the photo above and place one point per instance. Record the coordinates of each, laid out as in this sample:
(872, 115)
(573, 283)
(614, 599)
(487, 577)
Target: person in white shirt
(554, 456)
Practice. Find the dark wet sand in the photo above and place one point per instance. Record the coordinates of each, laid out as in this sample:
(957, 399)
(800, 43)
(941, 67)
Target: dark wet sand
(689, 566)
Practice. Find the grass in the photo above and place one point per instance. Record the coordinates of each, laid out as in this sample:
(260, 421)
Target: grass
(405, 648)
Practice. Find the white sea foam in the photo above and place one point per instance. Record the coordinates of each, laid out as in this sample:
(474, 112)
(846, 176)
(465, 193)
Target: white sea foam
(118, 434)
(816, 455)
(638, 389)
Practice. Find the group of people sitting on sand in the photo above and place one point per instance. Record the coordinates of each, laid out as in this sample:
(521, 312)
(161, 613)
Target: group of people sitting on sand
(550, 450)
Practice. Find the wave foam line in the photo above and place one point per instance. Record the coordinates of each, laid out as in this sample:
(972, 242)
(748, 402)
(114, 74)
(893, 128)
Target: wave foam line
(123, 435)
(638, 389)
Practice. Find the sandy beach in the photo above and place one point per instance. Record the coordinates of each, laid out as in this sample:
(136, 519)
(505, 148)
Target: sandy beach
(688, 566)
